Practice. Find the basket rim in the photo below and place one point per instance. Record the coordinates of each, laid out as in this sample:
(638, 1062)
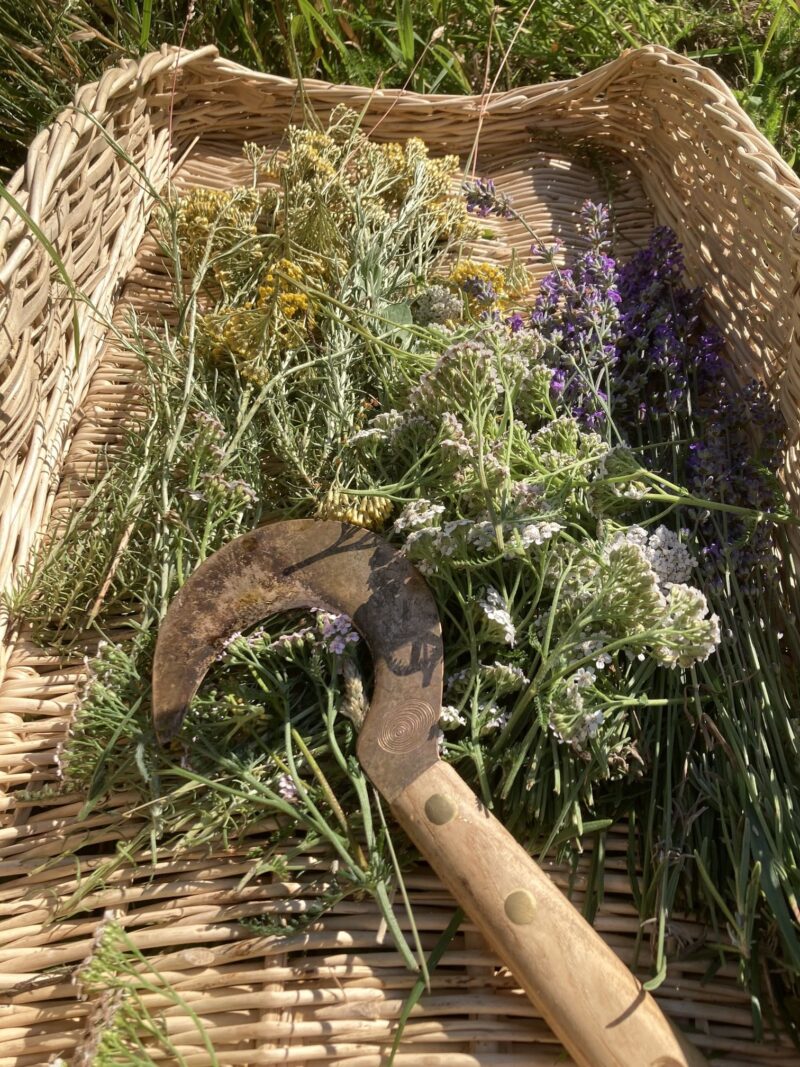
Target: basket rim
(758, 154)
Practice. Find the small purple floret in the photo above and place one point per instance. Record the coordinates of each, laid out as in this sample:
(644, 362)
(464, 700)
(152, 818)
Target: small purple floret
(338, 633)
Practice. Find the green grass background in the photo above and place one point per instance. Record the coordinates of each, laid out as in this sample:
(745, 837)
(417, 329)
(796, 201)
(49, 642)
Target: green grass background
(48, 47)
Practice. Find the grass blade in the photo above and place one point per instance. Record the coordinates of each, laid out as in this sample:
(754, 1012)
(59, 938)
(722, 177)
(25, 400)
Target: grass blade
(55, 258)
(144, 28)
(419, 986)
(405, 30)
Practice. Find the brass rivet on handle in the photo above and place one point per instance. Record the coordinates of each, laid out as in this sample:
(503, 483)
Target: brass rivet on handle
(439, 809)
(520, 907)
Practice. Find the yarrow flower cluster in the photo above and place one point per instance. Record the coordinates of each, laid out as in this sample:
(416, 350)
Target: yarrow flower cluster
(208, 425)
(537, 533)
(464, 375)
(214, 486)
(451, 718)
(417, 515)
(456, 441)
(492, 720)
(291, 642)
(287, 789)
(337, 632)
(690, 635)
(500, 625)
(505, 677)
(618, 479)
(569, 719)
(663, 550)
(436, 305)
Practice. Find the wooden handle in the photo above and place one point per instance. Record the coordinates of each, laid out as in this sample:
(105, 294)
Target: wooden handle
(596, 1007)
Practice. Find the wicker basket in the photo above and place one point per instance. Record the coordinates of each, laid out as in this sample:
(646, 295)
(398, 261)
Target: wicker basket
(682, 153)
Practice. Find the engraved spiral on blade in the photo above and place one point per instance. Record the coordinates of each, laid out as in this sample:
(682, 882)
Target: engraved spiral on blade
(407, 728)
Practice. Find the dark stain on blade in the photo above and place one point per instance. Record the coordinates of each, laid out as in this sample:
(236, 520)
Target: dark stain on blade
(336, 567)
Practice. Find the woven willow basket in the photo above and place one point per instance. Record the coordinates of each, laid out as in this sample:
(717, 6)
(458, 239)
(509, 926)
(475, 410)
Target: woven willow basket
(678, 150)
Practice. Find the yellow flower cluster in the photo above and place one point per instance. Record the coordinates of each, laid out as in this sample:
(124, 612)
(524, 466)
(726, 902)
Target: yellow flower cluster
(322, 170)
(372, 512)
(279, 291)
(214, 220)
(487, 272)
(407, 166)
(314, 156)
(403, 160)
(315, 199)
(247, 334)
(326, 186)
(237, 335)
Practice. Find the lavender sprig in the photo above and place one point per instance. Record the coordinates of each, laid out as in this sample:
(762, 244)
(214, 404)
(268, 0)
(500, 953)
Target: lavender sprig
(484, 200)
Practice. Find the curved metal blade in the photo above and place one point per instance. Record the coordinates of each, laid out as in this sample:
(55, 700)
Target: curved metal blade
(337, 567)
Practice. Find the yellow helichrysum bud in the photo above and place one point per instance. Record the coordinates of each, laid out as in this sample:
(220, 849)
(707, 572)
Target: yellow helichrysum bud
(370, 512)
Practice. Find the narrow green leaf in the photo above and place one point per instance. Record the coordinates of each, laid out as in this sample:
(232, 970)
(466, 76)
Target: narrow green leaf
(419, 986)
(56, 259)
(758, 68)
(709, 884)
(315, 20)
(772, 889)
(244, 28)
(144, 28)
(405, 30)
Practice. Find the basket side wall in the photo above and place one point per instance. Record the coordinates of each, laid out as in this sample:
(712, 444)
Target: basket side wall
(86, 186)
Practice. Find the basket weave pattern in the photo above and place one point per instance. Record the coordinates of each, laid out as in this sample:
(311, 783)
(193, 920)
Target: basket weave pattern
(682, 153)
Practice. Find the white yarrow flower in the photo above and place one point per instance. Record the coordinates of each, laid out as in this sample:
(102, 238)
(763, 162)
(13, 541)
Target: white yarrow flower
(482, 535)
(669, 558)
(418, 514)
(536, 533)
(367, 434)
(584, 677)
(287, 788)
(592, 723)
(494, 719)
(495, 610)
(450, 717)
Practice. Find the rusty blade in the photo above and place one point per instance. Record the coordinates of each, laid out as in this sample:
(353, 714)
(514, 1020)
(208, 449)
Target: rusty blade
(337, 567)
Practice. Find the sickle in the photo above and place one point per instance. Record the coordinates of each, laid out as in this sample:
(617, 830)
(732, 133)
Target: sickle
(597, 1008)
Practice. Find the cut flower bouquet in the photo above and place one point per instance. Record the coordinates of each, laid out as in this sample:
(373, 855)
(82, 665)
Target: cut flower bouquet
(594, 503)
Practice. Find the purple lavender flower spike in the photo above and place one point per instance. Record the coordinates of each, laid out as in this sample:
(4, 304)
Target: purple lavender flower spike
(480, 289)
(639, 324)
(577, 312)
(484, 200)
